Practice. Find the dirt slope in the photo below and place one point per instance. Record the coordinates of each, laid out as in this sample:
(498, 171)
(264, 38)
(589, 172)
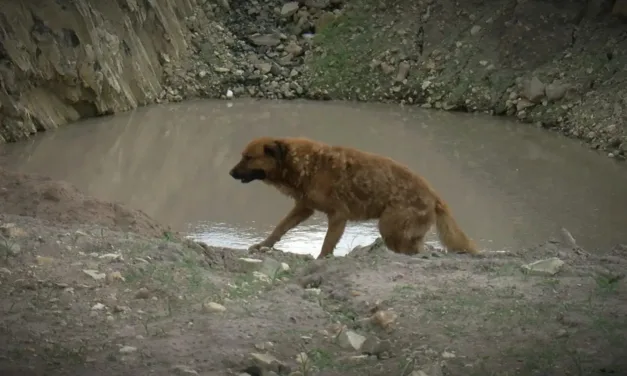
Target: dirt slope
(61, 203)
(85, 300)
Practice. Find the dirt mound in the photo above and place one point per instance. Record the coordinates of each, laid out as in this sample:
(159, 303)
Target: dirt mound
(61, 203)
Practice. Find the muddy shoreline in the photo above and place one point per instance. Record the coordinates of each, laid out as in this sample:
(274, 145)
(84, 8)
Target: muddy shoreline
(556, 66)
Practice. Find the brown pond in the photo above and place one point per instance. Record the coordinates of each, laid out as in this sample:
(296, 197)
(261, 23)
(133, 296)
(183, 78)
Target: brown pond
(509, 185)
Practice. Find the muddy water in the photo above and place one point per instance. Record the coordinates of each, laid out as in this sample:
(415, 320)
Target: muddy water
(509, 185)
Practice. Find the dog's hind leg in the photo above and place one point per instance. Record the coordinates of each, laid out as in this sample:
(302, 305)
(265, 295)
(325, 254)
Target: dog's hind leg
(293, 218)
(403, 229)
(337, 225)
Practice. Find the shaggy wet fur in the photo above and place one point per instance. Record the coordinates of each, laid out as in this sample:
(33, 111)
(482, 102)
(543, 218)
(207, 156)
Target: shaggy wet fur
(349, 185)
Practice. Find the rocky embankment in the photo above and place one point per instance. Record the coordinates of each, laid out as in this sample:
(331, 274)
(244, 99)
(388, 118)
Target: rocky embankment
(558, 65)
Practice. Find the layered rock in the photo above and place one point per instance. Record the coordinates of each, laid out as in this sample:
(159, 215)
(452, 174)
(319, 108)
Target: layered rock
(64, 60)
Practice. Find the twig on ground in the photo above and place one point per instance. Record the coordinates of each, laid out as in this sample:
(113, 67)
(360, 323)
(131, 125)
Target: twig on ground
(570, 240)
(408, 366)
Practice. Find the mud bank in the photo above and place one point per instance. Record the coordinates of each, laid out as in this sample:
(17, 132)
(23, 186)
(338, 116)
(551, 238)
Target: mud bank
(83, 297)
(557, 65)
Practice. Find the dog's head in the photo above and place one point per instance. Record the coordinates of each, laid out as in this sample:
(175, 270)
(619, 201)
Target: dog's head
(261, 159)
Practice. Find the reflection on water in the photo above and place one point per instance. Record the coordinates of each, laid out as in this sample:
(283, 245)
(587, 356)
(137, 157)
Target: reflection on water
(305, 239)
(508, 185)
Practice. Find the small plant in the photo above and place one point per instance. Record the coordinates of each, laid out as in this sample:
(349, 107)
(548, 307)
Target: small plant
(280, 274)
(318, 359)
(608, 283)
(167, 236)
(407, 366)
(304, 362)
(405, 290)
(7, 248)
(245, 285)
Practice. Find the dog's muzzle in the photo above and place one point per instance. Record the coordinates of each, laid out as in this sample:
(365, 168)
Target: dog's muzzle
(248, 176)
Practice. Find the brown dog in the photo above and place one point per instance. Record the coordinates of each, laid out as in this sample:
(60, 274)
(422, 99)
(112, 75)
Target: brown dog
(349, 185)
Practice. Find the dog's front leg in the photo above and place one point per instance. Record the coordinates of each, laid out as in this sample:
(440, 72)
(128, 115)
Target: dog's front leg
(296, 216)
(336, 228)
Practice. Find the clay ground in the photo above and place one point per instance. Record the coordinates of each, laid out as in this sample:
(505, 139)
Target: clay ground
(79, 295)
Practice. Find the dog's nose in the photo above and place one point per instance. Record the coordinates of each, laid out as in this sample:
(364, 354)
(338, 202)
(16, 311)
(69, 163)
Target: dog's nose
(232, 173)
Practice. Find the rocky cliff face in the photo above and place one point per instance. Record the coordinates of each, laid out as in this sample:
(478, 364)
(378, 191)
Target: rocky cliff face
(66, 59)
(558, 64)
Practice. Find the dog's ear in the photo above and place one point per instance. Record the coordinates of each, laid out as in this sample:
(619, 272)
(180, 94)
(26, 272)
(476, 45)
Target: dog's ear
(276, 150)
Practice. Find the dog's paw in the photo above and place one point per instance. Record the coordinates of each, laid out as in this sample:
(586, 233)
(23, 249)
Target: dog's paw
(325, 257)
(254, 247)
(260, 247)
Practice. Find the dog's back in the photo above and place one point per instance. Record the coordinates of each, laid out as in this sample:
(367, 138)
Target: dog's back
(361, 183)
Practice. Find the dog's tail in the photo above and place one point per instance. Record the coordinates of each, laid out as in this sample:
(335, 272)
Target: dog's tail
(449, 232)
